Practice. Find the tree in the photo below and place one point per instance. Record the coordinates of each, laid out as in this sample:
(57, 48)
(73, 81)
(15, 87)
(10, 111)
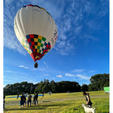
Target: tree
(19, 88)
(63, 86)
(99, 81)
(53, 86)
(68, 86)
(46, 87)
(84, 87)
(43, 87)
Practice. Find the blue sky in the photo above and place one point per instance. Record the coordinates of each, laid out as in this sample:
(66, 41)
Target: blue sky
(82, 48)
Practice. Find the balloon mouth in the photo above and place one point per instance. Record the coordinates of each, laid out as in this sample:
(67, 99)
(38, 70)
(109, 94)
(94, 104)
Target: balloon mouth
(36, 65)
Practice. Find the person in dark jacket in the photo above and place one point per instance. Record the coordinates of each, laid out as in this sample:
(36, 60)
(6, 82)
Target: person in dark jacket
(22, 100)
(29, 100)
(88, 99)
(35, 99)
(4, 101)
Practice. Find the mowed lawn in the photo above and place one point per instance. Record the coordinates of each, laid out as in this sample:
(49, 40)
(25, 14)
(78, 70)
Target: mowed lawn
(60, 103)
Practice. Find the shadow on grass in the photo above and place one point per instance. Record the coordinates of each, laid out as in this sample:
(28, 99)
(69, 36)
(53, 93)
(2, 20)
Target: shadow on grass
(105, 112)
(75, 109)
(46, 101)
(38, 107)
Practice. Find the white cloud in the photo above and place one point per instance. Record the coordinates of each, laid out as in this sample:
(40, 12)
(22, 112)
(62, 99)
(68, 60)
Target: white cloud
(69, 75)
(24, 67)
(46, 66)
(59, 76)
(83, 76)
(78, 29)
(55, 8)
(64, 47)
(78, 70)
(7, 80)
(90, 37)
(46, 74)
(41, 69)
(10, 40)
(9, 71)
(68, 29)
(77, 75)
(33, 81)
(91, 71)
(7, 2)
(44, 69)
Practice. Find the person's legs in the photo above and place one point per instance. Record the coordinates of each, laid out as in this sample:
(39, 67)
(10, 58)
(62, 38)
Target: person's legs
(30, 103)
(37, 102)
(25, 102)
(90, 104)
(4, 104)
(22, 103)
(34, 102)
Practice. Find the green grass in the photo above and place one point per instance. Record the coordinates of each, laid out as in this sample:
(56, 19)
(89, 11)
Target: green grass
(61, 103)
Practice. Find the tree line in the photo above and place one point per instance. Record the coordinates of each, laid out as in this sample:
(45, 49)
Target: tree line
(97, 82)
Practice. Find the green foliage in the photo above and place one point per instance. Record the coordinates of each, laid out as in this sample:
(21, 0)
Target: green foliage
(98, 82)
(63, 86)
(84, 87)
(19, 88)
(42, 87)
(53, 86)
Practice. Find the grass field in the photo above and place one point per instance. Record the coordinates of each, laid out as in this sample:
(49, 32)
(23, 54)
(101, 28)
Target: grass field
(60, 103)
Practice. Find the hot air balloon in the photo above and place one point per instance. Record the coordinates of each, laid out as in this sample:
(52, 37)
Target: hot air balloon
(36, 30)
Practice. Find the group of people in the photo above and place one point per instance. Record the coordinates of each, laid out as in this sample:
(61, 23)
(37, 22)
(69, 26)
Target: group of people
(23, 100)
(35, 99)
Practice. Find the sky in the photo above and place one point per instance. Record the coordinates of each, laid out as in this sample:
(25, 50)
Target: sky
(81, 50)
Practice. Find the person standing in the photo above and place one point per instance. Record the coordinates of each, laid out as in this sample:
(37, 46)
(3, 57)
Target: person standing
(4, 102)
(88, 99)
(17, 96)
(29, 100)
(22, 98)
(35, 99)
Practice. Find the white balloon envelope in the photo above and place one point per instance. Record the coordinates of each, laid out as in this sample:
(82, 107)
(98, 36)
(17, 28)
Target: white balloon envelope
(36, 30)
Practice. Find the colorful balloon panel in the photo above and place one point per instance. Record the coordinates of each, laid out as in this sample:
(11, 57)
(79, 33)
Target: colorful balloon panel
(38, 45)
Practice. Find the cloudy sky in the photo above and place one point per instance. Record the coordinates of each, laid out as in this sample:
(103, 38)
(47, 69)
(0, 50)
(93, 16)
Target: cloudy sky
(81, 50)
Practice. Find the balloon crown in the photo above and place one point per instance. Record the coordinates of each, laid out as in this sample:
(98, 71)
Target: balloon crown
(32, 5)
